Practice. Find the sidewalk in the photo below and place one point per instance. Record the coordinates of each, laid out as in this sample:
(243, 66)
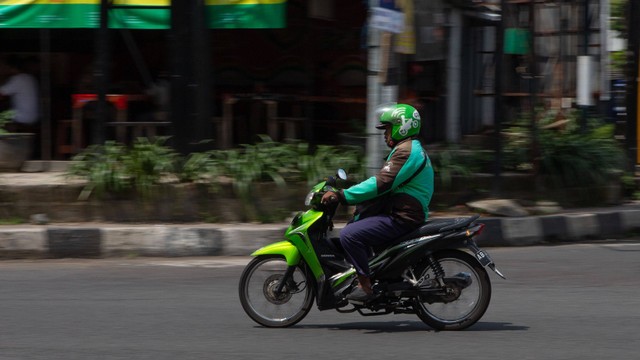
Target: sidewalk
(172, 240)
(95, 240)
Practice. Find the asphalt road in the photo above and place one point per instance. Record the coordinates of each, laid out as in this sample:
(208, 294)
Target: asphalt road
(561, 302)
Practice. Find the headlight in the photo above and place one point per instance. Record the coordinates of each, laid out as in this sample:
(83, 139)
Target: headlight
(307, 200)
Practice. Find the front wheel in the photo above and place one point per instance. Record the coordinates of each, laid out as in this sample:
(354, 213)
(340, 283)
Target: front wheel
(467, 287)
(263, 302)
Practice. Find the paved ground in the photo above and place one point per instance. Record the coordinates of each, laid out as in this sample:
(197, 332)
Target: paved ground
(573, 302)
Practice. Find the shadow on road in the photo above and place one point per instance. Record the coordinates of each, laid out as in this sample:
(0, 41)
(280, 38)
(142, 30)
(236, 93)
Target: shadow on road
(374, 327)
(496, 326)
(409, 326)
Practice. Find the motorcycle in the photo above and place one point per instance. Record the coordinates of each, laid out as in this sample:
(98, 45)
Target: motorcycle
(436, 272)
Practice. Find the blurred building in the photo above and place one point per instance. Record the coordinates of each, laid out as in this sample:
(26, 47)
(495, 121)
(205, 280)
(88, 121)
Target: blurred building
(308, 79)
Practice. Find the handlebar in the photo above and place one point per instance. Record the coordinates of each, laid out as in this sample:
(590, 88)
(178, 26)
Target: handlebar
(331, 181)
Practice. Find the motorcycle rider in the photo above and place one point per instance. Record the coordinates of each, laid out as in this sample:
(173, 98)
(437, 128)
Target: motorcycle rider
(402, 189)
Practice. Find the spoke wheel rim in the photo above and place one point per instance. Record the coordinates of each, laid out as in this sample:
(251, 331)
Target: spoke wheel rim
(261, 293)
(461, 304)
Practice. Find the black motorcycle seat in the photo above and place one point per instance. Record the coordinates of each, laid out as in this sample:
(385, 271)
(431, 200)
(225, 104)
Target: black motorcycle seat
(430, 227)
(434, 226)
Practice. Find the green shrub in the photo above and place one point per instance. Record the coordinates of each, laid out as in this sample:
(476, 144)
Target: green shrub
(454, 160)
(5, 118)
(147, 162)
(326, 159)
(270, 161)
(113, 168)
(568, 156)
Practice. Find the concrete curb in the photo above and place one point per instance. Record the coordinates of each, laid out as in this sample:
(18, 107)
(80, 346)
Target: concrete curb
(569, 227)
(112, 240)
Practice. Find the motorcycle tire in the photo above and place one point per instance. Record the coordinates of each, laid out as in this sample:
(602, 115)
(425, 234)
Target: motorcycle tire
(259, 297)
(465, 307)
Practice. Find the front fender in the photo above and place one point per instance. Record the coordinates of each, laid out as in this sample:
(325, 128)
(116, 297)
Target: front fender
(284, 248)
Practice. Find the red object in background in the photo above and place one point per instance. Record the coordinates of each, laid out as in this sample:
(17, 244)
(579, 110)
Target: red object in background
(118, 100)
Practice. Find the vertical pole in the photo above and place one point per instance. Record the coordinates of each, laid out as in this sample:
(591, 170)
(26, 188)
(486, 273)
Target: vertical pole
(190, 76)
(636, 121)
(533, 89)
(585, 34)
(498, 108)
(45, 71)
(179, 37)
(561, 52)
(200, 53)
(632, 75)
(454, 77)
(373, 153)
(101, 75)
(585, 52)
(605, 63)
(634, 28)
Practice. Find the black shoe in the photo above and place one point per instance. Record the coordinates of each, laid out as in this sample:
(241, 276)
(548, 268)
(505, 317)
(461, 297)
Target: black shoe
(359, 295)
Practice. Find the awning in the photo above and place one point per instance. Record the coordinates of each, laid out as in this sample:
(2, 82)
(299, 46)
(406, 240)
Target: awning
(138, 14)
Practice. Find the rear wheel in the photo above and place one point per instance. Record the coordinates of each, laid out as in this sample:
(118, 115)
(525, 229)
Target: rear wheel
(467, 288)
(261, 300)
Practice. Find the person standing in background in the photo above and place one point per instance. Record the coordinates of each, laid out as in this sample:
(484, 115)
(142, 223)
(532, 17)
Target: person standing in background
(22, 89)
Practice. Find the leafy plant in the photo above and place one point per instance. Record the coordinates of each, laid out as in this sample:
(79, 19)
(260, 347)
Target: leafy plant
(572, 158)
(568, 156)
(326, 159)
(114, 168)
(619, 16)
(198, 167)
(270, 161)
(456, 161)
(103, 168)
(619, 60)
(12, 221)
(265, 161)
(146, 162)
(518, 143)
(5, 118)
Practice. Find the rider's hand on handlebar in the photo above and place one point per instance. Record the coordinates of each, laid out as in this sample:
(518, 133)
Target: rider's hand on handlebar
(329, 197)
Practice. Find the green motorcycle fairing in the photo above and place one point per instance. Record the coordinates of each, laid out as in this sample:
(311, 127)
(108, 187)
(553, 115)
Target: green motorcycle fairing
(297, 243)
(339, 278)
(284, 248)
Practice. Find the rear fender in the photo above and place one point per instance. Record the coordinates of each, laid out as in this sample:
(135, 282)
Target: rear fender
(462, 242)
(393, 261)
(284, 248)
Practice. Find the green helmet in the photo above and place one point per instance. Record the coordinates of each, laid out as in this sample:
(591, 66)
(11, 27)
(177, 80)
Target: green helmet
(404, 120)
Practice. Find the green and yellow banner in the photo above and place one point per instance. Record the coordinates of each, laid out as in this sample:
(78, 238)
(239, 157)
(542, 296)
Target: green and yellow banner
(141, 14)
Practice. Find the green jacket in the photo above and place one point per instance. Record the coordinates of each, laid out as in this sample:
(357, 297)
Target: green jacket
(408, 203)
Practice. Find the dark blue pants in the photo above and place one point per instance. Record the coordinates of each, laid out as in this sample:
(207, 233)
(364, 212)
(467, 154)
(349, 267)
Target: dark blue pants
(359, 237)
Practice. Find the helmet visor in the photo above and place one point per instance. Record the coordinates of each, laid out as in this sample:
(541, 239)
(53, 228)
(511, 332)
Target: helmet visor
(381, 109)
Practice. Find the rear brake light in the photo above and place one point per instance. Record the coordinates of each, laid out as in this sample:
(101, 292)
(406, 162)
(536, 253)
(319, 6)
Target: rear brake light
(476, 230)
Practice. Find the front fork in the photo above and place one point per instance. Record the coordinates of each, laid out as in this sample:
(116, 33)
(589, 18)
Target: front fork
(286, 279)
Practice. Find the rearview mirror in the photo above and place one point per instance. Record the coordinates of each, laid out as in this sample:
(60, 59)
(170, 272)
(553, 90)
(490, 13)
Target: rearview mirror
(342, 175)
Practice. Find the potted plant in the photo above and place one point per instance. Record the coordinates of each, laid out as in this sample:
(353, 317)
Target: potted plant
(15, 148)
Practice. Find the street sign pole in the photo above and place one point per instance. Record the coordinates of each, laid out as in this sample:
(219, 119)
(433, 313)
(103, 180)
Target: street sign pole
(633, 95)
(101, 75)
(382, 23)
